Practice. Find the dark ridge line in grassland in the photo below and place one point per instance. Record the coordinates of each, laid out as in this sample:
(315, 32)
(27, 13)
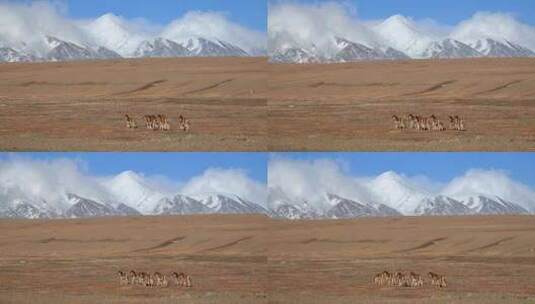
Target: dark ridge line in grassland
(424, 245)
(493, 244)
(209, 87)
(227, 245)
(162, 245)
(499, 88)
(143, 88)
(433, 88)
(53, 240)
(314, 240)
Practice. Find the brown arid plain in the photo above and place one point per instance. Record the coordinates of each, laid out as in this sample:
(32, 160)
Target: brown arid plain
(80, 106)
(253, 259)
(335, 107)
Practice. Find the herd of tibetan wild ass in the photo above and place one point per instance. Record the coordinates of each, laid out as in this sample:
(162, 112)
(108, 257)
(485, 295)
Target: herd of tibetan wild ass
(385, 278)
(158, 122)
(409, 279)
(154, 280)
(417, 122)
(431, 123)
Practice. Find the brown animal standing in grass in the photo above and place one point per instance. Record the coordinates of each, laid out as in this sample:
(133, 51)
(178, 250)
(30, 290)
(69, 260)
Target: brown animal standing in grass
(148, 121)
(163, 123)
(182, 279)
(459, 123)
(183, 123)
(143, 278)
(382, 278)
(452, 123)
(160, 280)
(398, 123)
(130, 122)
(411, 121)
(123, 278)
(416, 280)
(132, 277)
(456, 123)
(437, 280)
(396, 279)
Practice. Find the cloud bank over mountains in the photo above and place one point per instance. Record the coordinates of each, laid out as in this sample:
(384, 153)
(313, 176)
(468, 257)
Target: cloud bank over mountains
(332, 32)
(26, 27)
(295, 189)
(319, 185)
(38, 188)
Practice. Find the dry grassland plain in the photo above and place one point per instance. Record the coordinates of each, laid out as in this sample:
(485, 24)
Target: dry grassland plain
(349, 107)
(253, 259)
(80, 106)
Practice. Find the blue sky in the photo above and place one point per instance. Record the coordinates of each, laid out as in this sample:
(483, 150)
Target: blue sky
(176, 166)
(440, 167)
(448, 12)
(249, 13)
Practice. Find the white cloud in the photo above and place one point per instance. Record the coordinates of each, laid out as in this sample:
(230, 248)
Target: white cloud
(310, 180)
(29, 23)
(496, 26)
(226, 181)
(51, 180)
(214, 25)
(314, 26)
(496, 182)
(25, 24)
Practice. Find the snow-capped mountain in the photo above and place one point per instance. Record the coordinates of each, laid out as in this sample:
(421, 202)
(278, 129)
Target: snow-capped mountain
(403, 34)
(441, 205)
(180, 205)
(21, 209)
(391, 194)
(84, 208)
(448, 49)
(293, 55)
(397, 37)
(110, 37)
(231, 204)
(393, 190)
(125, 210)
(352, 51)
(492, 48)
(131, 196)
(112, 32)
(67, 51)
(345, 208)
(133, 190)
(60, 50)
(282, 206)
(161, 47)
(201, 47)
(492, 205)
(8, 54)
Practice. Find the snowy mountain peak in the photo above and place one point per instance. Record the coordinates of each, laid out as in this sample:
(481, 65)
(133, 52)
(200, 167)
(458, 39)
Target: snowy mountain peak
(231, 204)
(132, 189)
(399, 24)
(203, 47)
(161, 47)
(396, 192)
(109, 20)
(493, 48)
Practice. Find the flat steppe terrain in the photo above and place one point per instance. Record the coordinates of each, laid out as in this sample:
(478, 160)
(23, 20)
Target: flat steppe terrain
(333, 107)
(485, 260)
(253, 259)
(80, 106)
(76, 261)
